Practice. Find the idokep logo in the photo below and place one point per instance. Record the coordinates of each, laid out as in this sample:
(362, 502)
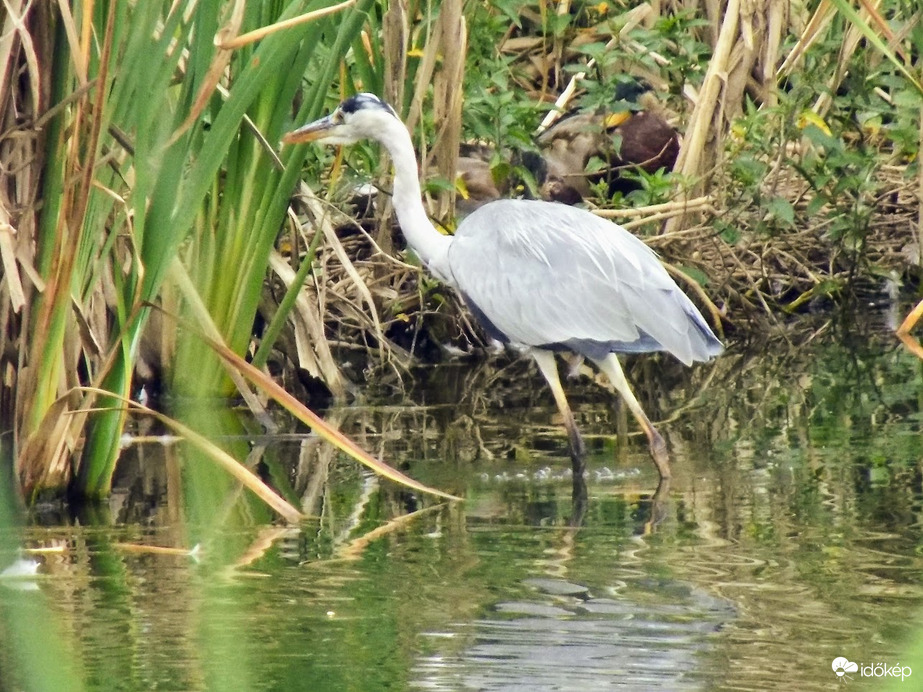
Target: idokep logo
(842, 666)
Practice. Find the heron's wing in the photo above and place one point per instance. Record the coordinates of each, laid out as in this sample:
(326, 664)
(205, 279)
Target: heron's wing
(548, 274)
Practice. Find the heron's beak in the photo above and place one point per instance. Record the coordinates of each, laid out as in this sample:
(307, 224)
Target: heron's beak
(311, 132)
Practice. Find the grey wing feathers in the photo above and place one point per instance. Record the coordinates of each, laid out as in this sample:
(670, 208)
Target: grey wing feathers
(555, 276)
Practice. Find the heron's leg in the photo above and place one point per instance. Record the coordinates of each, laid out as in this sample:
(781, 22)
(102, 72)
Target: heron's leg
(549, 368)
(613, 370)
(903, 332)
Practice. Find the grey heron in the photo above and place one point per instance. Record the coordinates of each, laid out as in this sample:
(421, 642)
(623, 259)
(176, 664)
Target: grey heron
(540, 276)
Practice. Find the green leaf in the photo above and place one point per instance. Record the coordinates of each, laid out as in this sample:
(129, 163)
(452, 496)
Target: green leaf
(595, 165)
(782, 209)
(820, 138)
(695, 274)
(728, 233)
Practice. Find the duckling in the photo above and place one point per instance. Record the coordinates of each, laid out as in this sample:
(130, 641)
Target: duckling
(486, 176)
(478, 183)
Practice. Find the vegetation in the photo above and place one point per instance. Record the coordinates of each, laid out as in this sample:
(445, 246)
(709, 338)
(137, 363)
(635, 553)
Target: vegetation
(798, 181)
(145, 214)
(140, 172)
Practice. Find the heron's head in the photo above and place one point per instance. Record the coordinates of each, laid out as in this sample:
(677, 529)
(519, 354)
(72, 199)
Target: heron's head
(363, 116)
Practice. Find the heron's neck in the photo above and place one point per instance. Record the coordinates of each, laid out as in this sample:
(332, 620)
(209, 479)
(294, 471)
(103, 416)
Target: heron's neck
(429, 244)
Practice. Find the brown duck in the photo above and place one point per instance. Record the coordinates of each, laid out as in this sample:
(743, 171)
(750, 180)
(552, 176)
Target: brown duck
(636, 137)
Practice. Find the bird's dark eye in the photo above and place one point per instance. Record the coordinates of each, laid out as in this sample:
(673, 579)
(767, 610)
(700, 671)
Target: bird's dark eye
(337, 116)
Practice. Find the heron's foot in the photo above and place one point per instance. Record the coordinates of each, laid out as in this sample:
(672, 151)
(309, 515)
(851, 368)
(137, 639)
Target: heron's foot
(658, 511)
(659, 454)
(577, 452)
(578, 501)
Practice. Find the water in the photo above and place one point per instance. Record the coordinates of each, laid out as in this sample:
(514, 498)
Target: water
(790, 537)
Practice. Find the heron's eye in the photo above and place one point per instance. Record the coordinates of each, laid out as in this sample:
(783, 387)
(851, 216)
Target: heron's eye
(337, 117)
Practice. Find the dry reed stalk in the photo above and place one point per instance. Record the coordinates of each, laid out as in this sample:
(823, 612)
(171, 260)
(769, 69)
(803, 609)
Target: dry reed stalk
(141, 549)
(312, 471)
(446, 42)
(691, 160)
(651, 209)
(423, 78)
(396, 43)
(556, 55)
(22, 96)
(266, 539)
(452, 37)
(354, 548)
(80, 59)
(11, 277)
(665, 216)
(444, 48)
(312, 348)
(333, 242)
(396, 38)
(50, 442)
(776, 26)
(54, 354)
(815, 27)
(311, 311)
(261, 33)
(15, 31)
(752, 45)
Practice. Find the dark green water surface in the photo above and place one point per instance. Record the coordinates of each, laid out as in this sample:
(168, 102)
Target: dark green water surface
(790, 536)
